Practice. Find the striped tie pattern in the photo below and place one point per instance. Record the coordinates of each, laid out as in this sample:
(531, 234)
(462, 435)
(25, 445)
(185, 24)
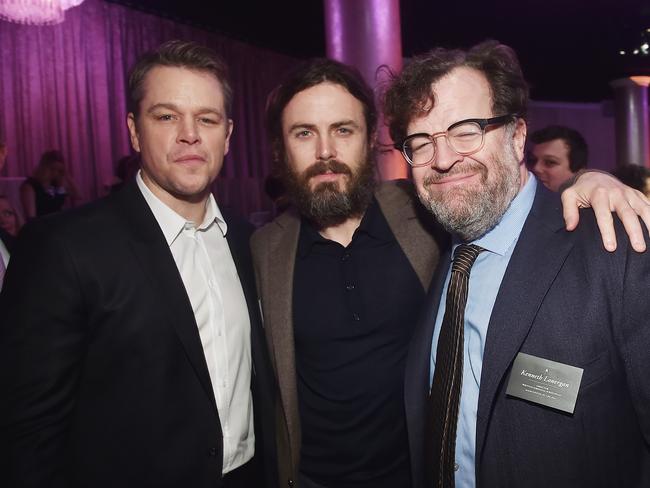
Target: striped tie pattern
(444, 400)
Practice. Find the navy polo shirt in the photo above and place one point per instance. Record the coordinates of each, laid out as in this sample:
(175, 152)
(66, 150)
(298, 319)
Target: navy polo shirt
(354, 311)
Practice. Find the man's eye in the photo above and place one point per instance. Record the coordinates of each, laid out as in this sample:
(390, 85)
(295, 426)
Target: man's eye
(344, 130)
(207, 120)
(303, 133)
(165, 117)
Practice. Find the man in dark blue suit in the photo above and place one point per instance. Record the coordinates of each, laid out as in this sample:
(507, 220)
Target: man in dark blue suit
(542, 372)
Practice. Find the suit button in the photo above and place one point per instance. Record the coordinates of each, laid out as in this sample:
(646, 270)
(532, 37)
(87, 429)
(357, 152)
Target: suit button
(212, 451)
(290, 483)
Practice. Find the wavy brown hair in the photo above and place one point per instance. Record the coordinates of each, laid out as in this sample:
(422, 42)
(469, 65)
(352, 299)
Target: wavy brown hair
(410, 96)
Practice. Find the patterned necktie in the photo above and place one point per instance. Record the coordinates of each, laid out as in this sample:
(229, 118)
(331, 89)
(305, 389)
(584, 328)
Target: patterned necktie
(440, 440)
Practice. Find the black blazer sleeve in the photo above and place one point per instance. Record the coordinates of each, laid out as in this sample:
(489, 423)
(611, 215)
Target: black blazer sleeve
(41, 349)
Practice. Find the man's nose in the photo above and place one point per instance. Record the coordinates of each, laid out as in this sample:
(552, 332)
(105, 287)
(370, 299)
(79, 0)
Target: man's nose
(326, 148)
(445, 156)
(188, 132)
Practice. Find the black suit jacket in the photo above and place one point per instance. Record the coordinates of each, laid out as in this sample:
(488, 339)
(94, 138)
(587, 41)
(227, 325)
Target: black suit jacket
(103, 377)
(566, 299)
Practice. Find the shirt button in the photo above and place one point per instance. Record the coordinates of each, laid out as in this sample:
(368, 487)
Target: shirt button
(355, 317)
(349, 287)
(212, 451)
(290, 483)
(456, 467)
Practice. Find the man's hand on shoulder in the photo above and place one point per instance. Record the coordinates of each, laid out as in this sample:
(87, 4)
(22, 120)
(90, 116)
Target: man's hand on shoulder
(606, 194)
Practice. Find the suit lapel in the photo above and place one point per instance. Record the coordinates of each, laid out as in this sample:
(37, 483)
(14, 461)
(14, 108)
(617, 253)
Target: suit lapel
(538, 256)
(157, 262)
(412, 226)
(281, 257)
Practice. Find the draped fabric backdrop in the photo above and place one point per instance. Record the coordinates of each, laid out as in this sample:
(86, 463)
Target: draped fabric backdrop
(63, 87)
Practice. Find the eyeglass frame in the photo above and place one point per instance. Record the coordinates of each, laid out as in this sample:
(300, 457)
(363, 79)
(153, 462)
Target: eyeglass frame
(482, 123)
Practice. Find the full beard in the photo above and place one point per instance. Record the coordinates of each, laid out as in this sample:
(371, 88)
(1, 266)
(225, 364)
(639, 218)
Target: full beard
(471, 211)
(326, 205)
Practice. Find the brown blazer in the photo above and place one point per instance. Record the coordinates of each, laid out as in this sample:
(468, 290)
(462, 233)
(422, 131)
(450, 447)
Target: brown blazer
(274, 253)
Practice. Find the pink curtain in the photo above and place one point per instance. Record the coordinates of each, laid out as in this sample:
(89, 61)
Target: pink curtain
(63, 87)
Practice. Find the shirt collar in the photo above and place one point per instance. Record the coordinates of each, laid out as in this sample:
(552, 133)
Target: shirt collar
(502, 237)
(171, 223)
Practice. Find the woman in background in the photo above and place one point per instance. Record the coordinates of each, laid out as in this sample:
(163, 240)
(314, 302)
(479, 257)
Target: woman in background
(49, 188)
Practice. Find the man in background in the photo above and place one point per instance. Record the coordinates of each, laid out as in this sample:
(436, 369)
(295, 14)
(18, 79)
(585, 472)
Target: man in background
(131, 350)
(556, 155)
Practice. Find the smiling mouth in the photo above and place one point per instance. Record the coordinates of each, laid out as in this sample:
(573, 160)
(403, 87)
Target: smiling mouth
(457, 178)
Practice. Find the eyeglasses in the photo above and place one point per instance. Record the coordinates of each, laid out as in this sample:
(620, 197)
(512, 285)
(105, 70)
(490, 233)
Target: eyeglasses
(465, 137)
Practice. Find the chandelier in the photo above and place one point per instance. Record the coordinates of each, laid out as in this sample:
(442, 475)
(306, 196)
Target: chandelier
(36, 12)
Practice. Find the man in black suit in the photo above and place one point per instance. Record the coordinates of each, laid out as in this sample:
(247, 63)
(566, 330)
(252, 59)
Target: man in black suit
(540, 378)
(131, 349)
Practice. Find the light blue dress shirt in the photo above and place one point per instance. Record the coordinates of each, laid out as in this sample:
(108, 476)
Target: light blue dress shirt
(484, 282)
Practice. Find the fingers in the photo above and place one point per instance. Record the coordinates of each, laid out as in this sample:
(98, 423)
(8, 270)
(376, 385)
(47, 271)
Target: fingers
(600, 202)
(570, 208)
(638, 207)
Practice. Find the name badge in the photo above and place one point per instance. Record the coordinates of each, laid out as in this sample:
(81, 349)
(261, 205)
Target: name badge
(545, 382)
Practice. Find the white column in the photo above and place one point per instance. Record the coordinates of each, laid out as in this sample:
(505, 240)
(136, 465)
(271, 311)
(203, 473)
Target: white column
(632, 120)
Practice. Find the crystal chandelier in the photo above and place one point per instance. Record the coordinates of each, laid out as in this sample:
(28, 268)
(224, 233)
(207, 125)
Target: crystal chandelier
(36, 12)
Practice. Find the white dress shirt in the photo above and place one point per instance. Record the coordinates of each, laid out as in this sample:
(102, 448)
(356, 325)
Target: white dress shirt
(210, 277)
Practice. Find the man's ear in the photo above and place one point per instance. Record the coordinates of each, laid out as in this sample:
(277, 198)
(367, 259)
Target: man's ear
(133, 131)
(229, 128)
(519, 138)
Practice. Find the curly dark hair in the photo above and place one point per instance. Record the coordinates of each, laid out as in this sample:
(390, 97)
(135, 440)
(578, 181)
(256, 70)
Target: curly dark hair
(180, 54)
(410, 96)
(307, 75)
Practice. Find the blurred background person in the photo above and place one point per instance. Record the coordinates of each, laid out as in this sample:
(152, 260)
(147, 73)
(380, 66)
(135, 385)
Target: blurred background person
(638, 177)
(49, 188)
(9, 220)
(8, 229)
(125, 170)
(557, 154)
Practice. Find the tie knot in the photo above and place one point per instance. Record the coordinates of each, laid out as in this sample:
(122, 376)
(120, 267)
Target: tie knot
(464, 257)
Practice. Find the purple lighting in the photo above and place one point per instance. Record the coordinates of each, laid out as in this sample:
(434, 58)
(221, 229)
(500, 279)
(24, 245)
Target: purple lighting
(36, 12)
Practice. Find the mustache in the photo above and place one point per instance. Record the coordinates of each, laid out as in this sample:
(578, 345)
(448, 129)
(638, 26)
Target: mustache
(329, 166)
(464, 168)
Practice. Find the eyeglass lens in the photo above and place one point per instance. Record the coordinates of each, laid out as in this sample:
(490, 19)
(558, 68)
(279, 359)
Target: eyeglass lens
(464, 139)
